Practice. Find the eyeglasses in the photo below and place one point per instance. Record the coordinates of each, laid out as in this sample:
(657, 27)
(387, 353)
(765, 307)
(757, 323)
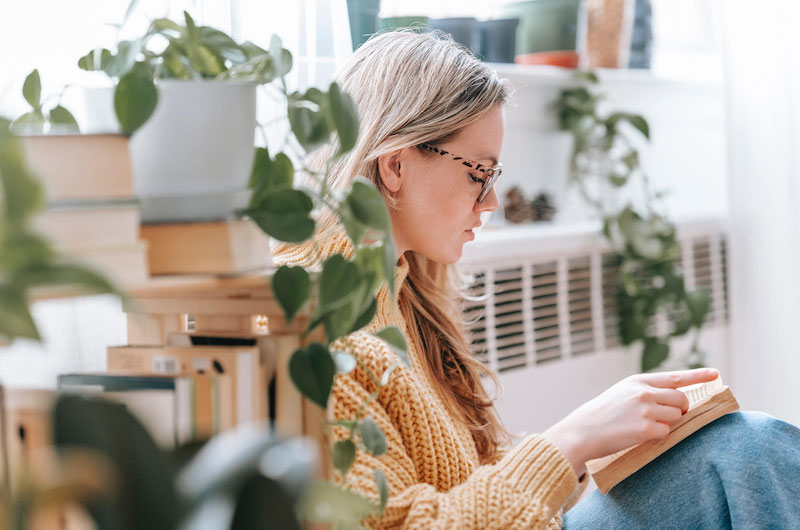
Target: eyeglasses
(492, 173)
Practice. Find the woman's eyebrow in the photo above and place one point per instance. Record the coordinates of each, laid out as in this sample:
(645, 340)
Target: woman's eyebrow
(484, 157)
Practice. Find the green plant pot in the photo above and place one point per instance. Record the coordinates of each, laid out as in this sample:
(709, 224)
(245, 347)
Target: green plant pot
(402, 22)
(363, 16)
(545, 25)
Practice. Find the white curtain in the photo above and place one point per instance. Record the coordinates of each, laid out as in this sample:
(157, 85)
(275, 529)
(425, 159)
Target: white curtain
(762, 69)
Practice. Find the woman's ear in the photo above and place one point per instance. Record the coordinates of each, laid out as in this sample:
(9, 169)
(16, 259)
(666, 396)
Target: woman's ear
(390, 170)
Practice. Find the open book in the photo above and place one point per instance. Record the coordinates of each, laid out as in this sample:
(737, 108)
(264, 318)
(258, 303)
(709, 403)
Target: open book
(707, 402)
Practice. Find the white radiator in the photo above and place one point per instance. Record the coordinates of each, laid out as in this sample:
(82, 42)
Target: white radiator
(545, 320)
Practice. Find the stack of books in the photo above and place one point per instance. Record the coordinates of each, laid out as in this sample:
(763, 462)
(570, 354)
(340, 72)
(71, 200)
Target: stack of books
(223, 247)
(92, 215)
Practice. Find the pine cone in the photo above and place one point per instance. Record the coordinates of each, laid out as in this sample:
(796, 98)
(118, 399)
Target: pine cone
(543, 207)
(516, 208)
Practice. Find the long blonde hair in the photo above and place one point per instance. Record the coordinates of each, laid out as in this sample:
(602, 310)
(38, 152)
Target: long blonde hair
(412, 88)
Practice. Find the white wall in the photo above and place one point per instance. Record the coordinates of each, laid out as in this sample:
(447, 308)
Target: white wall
(686, 154)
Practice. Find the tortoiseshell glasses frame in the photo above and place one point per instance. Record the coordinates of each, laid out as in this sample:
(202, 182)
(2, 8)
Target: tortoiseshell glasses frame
(492, 173)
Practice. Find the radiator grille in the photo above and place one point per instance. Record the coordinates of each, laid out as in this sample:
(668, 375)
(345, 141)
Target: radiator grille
(528, 310)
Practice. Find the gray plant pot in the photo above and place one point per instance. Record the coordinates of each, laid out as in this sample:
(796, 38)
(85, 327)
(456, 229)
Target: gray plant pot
(192, 158)
(498, 40)
(463, 29)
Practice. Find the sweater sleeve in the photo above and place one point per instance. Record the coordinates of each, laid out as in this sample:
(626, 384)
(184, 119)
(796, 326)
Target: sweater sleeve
(526, 488)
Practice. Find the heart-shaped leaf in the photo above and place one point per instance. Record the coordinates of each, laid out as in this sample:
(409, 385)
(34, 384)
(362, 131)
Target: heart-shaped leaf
(135, 99)
(344, 454)
(394, 337)
(291, 287)
(284, 214)
(312, 371)
(372, 436)
(32, 89)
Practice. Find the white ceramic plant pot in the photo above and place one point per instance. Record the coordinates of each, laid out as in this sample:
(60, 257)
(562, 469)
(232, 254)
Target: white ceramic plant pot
(192, 158)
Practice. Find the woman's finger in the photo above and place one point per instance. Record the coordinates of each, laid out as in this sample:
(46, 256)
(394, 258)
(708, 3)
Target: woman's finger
(673, 398)
(666, 414)
(680, 378)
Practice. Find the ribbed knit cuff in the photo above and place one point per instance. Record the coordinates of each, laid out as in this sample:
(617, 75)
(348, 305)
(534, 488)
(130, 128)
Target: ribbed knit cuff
(537, 466)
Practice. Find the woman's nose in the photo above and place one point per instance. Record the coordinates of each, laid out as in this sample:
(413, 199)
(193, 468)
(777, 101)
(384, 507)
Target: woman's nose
(490, 203)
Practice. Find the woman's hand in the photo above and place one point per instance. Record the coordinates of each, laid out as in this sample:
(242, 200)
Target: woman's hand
(639, 408)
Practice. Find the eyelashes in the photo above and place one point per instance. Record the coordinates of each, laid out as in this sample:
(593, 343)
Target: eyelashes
(476, 179)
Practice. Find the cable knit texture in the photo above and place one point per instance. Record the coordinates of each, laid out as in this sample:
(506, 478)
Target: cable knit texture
(432, 465)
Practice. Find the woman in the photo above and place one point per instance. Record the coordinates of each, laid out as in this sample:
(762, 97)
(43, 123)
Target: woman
(432, 124)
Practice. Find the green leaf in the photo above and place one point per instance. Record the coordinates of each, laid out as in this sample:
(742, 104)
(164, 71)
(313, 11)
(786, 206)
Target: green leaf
(135, 99)
(269, 175)
(370, 262)
(345, 362)
(72, 275)
(343, 293)
(372, 436)
(327, 502)
(312, 370)
(618, 180)
(176, 63)
(21, 194)
(221, 45)
(252, 50)
(366, 316)
(29, 123)
(640, 123)
(344, 454)
(345, 115)
(631, 160)
(394, 337)
(165, 24)
(309, 126)
(284, 214)
(15, 318)
(338, 282)
(281, 58)
(699, 303)
(655, 352)
(291, 287)
(62, 116)
(140, 466)
(32, 89)
(587, 75)
(383, 489)
(354, 228)
(389, 262)
(95, 60)
(368, 206)
(121, 63)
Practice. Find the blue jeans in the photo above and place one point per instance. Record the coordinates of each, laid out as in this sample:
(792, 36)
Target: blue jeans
(741, 471)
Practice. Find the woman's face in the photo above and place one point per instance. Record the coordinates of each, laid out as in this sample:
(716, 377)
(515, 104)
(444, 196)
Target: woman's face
(437, 206)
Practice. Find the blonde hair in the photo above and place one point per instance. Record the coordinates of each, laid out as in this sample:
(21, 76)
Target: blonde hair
(413, 88)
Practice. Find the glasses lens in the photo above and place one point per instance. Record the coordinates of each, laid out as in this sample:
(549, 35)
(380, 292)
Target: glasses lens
(489, 184)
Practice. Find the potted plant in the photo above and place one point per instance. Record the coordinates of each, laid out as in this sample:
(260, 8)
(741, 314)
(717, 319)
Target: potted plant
(187, 95)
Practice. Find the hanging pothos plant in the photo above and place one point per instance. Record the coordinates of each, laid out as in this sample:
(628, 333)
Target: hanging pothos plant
(605, 167)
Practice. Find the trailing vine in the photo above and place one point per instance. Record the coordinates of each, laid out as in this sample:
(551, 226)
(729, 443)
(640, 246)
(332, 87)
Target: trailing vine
(653, 303)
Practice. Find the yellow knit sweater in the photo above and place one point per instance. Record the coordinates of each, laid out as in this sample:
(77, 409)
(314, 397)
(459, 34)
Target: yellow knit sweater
(431, 464)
